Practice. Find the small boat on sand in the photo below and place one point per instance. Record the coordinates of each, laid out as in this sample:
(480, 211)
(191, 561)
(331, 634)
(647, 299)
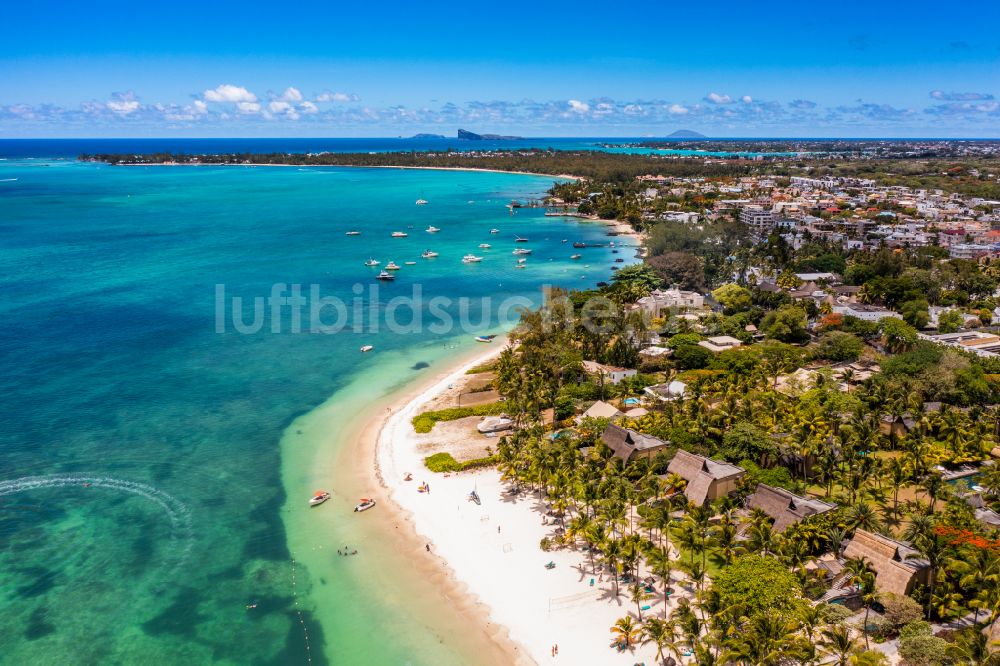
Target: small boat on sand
(367, 348)
(319, 497)
(485, 338)
(474, 497)
(364, 505)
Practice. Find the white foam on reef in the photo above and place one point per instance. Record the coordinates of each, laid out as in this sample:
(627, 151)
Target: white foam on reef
(182, 532)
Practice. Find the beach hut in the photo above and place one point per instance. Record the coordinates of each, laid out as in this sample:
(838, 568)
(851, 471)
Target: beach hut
(707, 479)
(599, 410)
(629, 445)
(895, 564)
(785, 507)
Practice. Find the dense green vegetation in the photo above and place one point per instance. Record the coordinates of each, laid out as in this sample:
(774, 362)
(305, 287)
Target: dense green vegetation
(424, 422)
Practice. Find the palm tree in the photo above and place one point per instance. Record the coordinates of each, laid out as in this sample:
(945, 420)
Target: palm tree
(661, 564)
(638, 594)
(863, 516)
(863, 576)
(660, 633)
(766, 641)
(933, 548)
(972, 648)
(626, 632)
(838, 644)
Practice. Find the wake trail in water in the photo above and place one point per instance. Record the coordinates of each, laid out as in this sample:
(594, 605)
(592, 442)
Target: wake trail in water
(182, 531)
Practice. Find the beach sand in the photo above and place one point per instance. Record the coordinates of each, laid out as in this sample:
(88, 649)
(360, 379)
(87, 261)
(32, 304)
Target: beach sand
(493, 549)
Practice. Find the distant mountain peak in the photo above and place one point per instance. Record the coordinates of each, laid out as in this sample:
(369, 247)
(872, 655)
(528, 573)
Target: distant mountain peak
(472, 136)
(686, 134)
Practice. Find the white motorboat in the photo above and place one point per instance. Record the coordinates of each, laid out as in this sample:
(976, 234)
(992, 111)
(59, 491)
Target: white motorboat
(367, 348)
(518, 239)
(429, 254)
(353, 233)
(521, 250)
(385, 276)
(494, 231)
(521, 260)
(399, 234)
(421, 202)
(432, 229)
(391, 266)
(372, 262)
(471, 259)
(576, 256)
(319, 497)
(484, 246)
(365, 504)
(410, 263)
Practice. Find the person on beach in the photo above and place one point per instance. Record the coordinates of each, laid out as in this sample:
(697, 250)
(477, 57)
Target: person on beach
(428, 547)
(498, 529)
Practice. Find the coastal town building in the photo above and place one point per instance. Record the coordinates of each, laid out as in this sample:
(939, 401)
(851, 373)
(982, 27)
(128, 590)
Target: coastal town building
(659, 301)
(666, 392)
(599, 410)
(719, 343)
(864, 312)
(609, 373)
(707, 479)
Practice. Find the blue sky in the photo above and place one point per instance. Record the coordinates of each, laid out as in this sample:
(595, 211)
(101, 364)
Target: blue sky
(542, 69)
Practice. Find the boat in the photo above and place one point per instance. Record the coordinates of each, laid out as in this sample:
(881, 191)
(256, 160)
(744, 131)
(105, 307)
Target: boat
(410, 263)
(367, 348)
(372, 262)
(319, 497)
(576, 256)
(563, 240)
(391, 266)
(520, 266)
(579, 244)
(385, 276)
(471, 259)
(399, 234)
(494, 231)
(619, 260)
(423, 488)
(432, 229)
(485, 338)
(429, 254)
(521, 260)
(421, 202)
(474, 497)
(485, 246)
(365, 504)
(521, 250)
(353, 233)
(518, 239)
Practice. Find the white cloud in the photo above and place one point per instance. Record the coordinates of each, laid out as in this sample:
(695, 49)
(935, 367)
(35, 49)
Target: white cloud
(291, 95)
(747, 99)
(308, 107)
(576, 106)
(677, 109)
(716, 98)
(123, 103)
(248, 107)
(200, 106)
(328, 96)
(278, 107)
(230, 93)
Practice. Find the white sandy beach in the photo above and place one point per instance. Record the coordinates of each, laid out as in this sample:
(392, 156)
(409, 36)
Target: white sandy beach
(494, 550)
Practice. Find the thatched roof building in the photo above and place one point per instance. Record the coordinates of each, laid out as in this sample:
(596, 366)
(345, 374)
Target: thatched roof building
(784, 507)
(895, 565)
(628, 444)
(707, 479)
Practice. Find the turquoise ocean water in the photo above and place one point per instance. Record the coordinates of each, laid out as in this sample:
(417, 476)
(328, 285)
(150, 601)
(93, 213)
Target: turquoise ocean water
(144, 456)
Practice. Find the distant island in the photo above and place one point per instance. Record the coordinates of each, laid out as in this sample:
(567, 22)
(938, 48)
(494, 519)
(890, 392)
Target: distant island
(686, 134)
(466, 135)
(428, 136)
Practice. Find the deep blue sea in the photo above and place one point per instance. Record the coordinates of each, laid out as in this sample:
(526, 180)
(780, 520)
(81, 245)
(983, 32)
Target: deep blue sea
(147, 446)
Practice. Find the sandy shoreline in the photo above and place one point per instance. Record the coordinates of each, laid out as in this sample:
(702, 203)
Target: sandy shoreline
(491, 553)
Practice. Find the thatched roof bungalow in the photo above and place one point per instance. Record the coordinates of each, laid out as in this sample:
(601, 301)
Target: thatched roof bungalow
(895, 565)
(784, 507)
(707, 479)
(627, 444)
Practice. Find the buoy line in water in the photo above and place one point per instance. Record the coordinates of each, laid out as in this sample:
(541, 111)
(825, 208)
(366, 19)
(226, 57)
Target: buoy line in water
(298, 612)
(177, 512)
